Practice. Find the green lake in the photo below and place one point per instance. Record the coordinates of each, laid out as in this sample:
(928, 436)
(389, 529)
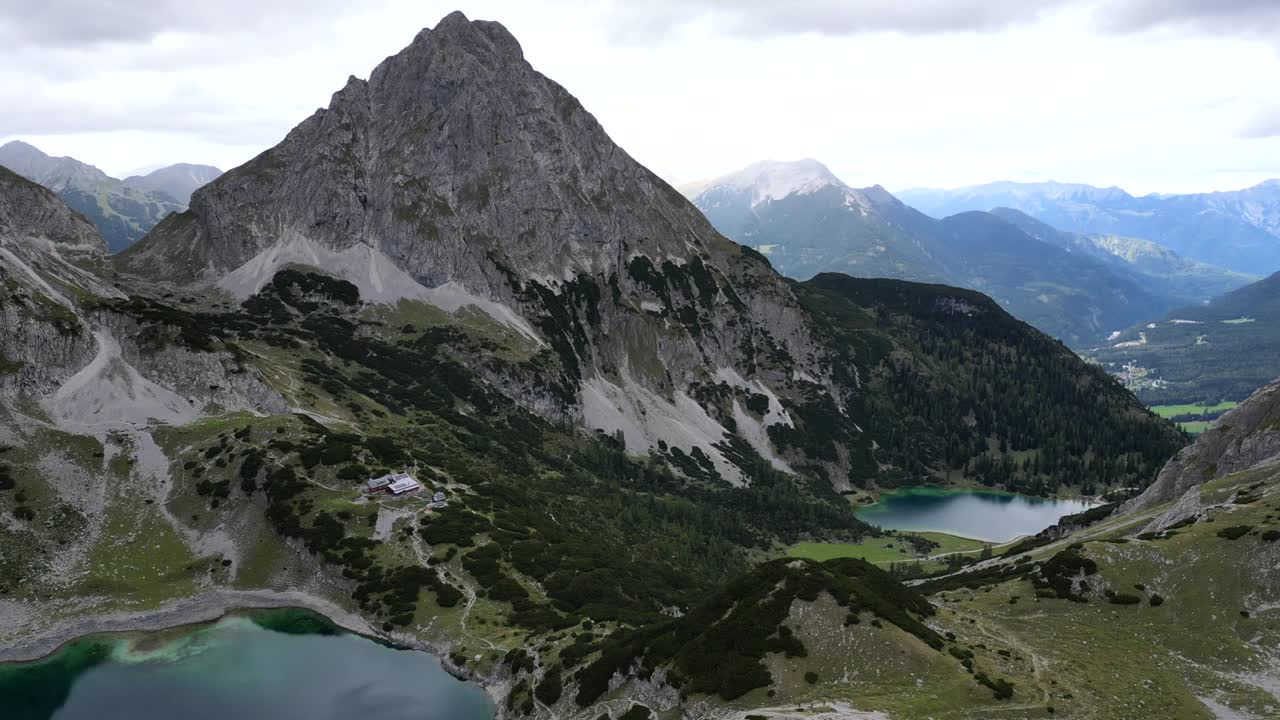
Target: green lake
(983, 515)
(278, 665)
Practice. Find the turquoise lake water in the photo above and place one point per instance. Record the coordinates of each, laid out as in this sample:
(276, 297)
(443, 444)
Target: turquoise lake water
(992, 516)
(238, 669)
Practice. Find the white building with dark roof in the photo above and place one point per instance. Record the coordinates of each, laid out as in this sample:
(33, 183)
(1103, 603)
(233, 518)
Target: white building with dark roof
(402, 483)
(394, 483)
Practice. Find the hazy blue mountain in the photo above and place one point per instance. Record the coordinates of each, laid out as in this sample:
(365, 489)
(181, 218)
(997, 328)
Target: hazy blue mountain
(807, 222)
(176, 181)
(123, 211)
(1155, 267)
(1238, 230)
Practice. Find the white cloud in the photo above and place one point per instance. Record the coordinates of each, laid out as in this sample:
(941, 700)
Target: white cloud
(902, 97)
(1264, 124)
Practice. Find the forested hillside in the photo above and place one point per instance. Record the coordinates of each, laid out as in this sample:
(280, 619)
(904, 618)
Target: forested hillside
(960, 386)
(1206, 354)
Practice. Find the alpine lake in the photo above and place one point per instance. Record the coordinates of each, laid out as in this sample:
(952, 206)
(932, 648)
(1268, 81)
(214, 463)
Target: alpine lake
(990, 516)
(263, 665)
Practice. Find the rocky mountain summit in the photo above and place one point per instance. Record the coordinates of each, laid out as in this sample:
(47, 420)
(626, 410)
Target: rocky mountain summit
(459, 176)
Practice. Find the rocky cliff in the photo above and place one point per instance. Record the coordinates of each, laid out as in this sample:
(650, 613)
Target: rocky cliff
(459, 176)
(64, 340)
(1246, 437)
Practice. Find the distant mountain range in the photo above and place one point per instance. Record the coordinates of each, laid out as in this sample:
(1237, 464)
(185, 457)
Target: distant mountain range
(176, 181)
(1239, 230)
(1156, 268)
(1222, 350)
(1076, 287)
(123, 210)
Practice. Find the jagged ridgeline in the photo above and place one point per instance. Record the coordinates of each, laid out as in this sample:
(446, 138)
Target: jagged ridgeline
(453, 270)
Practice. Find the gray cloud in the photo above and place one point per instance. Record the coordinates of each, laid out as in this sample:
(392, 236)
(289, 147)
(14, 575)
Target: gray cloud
(644, 20)
(831, 17)
(1264, 124)
(86, 66)
(86, 23)
(187, 112)
(1230, 17)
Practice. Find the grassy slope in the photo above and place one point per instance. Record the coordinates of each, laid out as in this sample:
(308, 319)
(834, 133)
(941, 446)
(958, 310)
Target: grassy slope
(1097, 659)
(1168, 411)
(887, 549)
(1194, 427)
(1104, 660)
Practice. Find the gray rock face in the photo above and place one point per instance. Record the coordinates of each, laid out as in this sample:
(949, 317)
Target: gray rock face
(454, 150)
(42, 340)
(29, 211)
(83, 363)
(1247, 436)
(458, 168)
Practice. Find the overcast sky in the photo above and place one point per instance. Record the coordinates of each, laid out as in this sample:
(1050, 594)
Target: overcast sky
(1150, 95)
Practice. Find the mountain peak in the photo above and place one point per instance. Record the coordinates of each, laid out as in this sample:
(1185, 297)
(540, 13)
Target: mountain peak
(450, 149)
(175, 181)
(773, 180)
(477, 38)
(18, 146)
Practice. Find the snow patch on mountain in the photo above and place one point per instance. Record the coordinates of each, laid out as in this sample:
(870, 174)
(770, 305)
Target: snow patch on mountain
(770, 180)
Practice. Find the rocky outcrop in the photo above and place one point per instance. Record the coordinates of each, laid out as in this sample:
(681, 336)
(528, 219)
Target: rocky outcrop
(458, 175)
(33, 213)
(42, 339)
(84, 363)
(1245, 437)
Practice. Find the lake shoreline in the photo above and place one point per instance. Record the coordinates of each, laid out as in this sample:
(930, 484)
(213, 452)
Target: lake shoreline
(211, 606)
(201, 609)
